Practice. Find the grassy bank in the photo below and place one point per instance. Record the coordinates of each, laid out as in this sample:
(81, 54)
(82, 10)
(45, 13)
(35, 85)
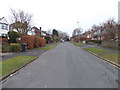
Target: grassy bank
(105, 54)
(10, 65)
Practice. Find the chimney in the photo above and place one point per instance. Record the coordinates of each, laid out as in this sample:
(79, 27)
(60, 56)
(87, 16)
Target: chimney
(40, 31)
(40, 28)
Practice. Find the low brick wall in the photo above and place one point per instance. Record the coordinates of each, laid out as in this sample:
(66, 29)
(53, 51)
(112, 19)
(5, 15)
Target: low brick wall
(112, 44)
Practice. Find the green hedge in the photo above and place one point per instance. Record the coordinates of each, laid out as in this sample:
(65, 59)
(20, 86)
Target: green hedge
(94, 41)
(14, 47)
(13, 35)
(5, 49)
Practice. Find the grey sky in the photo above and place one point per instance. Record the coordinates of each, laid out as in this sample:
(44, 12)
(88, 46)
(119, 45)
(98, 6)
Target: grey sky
(63, 14)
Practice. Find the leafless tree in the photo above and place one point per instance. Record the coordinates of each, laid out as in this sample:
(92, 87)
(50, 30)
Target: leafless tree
(110, 29)
(21, 21)
(77, 32)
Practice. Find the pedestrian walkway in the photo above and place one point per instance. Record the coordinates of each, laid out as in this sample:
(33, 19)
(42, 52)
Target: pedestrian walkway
(32, 52)
(100, 47)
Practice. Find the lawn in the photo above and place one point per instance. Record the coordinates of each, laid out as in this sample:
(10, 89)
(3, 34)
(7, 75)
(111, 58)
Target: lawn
(48, 47)
(95, 50)
(77, 44)
(12, 64)
(105, 54)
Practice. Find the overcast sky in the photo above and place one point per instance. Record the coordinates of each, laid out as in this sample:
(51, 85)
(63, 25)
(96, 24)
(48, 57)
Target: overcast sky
(63, 14)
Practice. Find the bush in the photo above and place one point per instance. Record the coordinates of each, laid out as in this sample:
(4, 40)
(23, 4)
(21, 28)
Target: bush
(14, 47)
(4, 41)
(5, 49)
(13, 35)
(93, 41)
(48, 39)
(33, 41)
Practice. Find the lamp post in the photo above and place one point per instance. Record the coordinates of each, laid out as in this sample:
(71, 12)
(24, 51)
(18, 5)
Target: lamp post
(78, 23)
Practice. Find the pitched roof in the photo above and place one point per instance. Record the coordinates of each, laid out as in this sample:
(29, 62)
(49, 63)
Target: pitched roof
(1, 18)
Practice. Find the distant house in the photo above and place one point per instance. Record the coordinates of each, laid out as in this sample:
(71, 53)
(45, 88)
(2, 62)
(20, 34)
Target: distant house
(38, 32)
(98, 34)
(4, 27)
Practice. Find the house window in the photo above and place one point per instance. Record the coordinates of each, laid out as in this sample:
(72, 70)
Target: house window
(4, 35)
(2, 26)
(5, 26)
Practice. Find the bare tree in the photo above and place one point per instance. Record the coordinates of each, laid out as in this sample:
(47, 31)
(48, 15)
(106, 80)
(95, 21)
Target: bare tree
(21, 21)
(110, 29)
(77, 32)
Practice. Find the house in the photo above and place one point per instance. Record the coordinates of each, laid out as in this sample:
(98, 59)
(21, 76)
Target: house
(4, 27)
(38, 32)
(88, 35)
(98, 34)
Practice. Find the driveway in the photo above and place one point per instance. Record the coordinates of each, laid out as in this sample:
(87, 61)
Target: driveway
(65, 66)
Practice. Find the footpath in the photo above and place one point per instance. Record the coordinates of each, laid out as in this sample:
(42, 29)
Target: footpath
(100, 47)
(31, 52)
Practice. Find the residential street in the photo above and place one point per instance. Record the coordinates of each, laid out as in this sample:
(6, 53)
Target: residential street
(65, 66)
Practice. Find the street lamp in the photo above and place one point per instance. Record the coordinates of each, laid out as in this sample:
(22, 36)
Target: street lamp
(78, 23)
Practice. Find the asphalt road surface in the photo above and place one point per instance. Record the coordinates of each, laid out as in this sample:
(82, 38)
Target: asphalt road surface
(65, 66)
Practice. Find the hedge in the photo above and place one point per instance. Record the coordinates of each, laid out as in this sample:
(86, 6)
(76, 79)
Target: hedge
(33, 41)
(13, 35)
(94, 41)
(4, 41)
(15, 47)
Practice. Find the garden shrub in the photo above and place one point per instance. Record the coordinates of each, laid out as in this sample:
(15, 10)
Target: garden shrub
(43, 42)
(13, 35)
(5, 49)
(33, 41)
(15, 47)
(93, 41)
(4, 41)
(48, 39)
(29, 40)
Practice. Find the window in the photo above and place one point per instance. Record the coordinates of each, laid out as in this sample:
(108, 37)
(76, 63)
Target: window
(2, 26)
(5, 26)
(4, 35)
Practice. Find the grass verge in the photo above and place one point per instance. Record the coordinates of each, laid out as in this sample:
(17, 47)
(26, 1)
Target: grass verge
(105, 54)
(58, 43)
(48, 47)
(77, 44)
(95, 50)
(112, 57)
(10, 65)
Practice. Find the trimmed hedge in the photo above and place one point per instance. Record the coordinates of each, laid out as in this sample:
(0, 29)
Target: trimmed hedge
(13, 35)
(4, 41)
(5, 49)
(15, 47)
(94, 41)
(33, 41)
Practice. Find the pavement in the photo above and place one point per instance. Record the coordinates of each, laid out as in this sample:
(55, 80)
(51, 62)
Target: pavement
(65, 66)
(100, 47)
(31, 52)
